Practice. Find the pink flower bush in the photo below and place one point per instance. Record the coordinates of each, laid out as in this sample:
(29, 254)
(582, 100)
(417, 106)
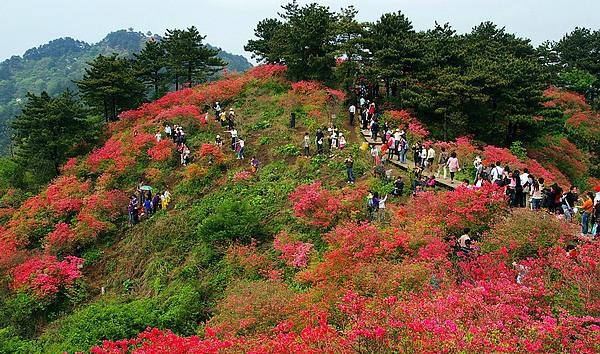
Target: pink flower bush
(45, 276)
(295, 253)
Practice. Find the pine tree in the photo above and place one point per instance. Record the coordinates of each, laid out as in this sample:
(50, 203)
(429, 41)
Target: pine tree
(150, 66)
(189, 58)
(50, 130)
(109, 86)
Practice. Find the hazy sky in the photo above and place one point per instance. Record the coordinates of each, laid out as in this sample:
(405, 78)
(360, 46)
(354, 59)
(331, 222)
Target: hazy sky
(230, 23)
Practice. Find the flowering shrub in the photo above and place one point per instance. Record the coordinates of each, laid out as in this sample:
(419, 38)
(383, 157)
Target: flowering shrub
(295, 253)
(267, 71)
(242, 176)
(212, 154)
(45, 276)
(112, 151)
(415, 129)
(162, 151)
(61, 238)
(526, 234)
(315, 205)
(181, 111)
(66, 193)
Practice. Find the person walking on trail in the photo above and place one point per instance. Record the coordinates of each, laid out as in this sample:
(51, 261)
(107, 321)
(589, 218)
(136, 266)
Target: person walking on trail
(430, 158)
(234, 138)
(319, 136)
(351, 114)
(167, 131)
(403, 149)
(381, 212)
(349, 169)
(536, 194)
(397, 138)
(374, 205)
(568, 202)
(342, 141)
(423, 157)
(217, 108)
(586, 212)
(453, 166)
(478, 167)
(416, 150)
(443, 162)
(306, 144)
(231, 119)
(156, 202)
(497, 172)
(374, 130)
(240, 149)
(375, 154)
(219, 141)
(254, 164)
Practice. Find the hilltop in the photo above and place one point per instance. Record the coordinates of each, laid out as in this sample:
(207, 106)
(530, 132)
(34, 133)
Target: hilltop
(54, 66)
(284, 259)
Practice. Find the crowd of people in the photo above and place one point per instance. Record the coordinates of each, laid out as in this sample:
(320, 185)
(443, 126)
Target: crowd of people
(178, 136)
(144, 204)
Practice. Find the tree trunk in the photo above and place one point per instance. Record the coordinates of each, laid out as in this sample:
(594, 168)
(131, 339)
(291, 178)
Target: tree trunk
(176, 82)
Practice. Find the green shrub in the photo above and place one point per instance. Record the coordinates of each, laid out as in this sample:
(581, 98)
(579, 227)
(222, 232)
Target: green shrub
(11, 343)
(99, 321)
(288, 150)
(232, 220)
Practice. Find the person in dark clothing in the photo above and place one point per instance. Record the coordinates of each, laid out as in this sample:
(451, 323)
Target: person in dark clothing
(568, 202)
(319, 140)
(349, 169)
(374, 130)
(155, 202)
(398, 186)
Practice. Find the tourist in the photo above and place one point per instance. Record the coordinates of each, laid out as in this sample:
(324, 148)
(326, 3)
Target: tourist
(453, 166)
(157, 136)
(375, 154)
(403, 149)
(219, 141)
(217, 108)
(254, 164)
(398, 186)
(497, 172)
(342, 141)
(586, 212)
(319, 140)
(168, 131)
(464, 242)
(568, 202)
(155, 203)
(351, 113)
(536, 195)
(416, 149)
(234, 138)
(443, 162)
(478, 168)
(349, 169)
(381, 211)
(430, 157)
(306, 144)
(374, 130)
(423, 156)
(240, 149)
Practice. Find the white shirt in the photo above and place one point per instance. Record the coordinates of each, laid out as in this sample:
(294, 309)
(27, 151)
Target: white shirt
(234, 133)
(382, 202)
(241, 143)
(462, 241)
(497, 173)
(158, 137)
(306, 141)
(167, 130)
(423, 154)
(430, 153)
(597, 198)
(362, 101)
(524, 177)
(397, 136)
(352, 109)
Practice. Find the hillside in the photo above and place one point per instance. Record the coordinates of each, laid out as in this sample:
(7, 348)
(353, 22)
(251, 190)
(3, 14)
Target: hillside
(52, 67)
(284, 260)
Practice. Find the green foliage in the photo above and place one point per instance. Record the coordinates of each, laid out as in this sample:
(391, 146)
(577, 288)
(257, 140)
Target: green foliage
(288, 150)
(231, 220)
(99, 321)
(304, 40)
(188, 58)
(110, 86)
(518, 150)
(50, 130)
(11, 343)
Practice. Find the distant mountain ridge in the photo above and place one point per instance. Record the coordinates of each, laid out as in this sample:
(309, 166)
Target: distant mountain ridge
(53, 66)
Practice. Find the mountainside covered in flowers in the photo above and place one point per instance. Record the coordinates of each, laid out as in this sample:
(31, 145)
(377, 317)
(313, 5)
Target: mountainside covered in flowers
(283, 260)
